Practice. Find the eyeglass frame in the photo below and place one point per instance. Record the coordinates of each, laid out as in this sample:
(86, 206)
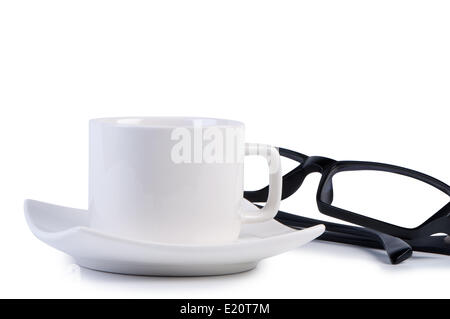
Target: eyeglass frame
(328, 168)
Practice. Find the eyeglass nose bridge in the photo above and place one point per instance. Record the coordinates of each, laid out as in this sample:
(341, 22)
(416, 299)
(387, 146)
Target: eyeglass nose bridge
(438, 223)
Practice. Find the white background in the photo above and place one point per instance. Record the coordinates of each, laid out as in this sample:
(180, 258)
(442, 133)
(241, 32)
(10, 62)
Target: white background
(366, 80)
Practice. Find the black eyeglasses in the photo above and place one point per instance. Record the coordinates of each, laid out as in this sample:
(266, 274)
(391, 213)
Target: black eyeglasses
(398, 241)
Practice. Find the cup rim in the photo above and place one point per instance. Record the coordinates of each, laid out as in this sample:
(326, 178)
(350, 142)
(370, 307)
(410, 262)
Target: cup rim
(165, 122)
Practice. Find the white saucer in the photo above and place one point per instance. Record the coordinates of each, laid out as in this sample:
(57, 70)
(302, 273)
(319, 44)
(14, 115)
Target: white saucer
(67, 229)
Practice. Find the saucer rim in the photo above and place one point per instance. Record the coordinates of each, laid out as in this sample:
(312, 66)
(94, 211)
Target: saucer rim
(318, 229)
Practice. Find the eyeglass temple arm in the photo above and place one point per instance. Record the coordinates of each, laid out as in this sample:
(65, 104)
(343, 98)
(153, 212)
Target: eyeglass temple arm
(396, 249)
(359, 236)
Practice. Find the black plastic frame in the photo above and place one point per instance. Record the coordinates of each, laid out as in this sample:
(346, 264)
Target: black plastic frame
(378, 234)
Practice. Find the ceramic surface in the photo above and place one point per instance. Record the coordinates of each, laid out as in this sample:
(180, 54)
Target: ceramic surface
(68, 230)
(174, 179)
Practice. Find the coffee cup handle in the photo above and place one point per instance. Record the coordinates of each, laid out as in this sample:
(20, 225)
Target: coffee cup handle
(269, 211)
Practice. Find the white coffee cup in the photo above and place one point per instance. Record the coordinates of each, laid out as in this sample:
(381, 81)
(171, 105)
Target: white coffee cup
(175, 180)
